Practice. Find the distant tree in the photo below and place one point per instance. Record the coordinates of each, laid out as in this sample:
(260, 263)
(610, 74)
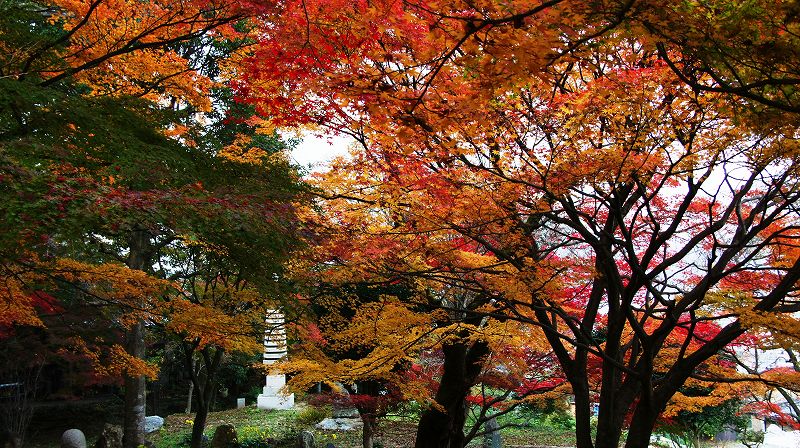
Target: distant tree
(692, 428)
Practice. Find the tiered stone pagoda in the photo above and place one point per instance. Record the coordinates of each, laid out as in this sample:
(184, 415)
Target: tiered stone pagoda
(274, 350)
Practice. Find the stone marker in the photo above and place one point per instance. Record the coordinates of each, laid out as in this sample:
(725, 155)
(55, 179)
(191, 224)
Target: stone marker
(110, 438)
(225, 437)
(240, 403)
(492, 437)
(153, 423)
(73, 438)
(306, 440)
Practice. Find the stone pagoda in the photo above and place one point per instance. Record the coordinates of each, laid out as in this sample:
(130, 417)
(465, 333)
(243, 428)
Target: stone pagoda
(271, 396)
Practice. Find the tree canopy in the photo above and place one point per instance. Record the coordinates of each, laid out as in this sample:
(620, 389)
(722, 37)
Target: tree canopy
(610, 187)
(621, 175)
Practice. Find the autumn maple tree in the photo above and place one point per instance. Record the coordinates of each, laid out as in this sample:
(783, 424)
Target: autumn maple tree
(360, 341)
(618, 179)
(384, 346)
(620, 175)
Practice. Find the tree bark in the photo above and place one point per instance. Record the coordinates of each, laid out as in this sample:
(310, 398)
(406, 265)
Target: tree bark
(199, 425)
(204, 390)
(191, 389)
(583, 414)
(444, 428)
(642, 423)
(135, 387)
(135, 390)
(368, 432)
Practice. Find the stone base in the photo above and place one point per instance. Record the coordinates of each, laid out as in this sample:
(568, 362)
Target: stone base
(275, 402)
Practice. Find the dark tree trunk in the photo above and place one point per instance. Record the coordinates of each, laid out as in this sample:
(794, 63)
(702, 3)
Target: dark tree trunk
(583, 414)
(139, 255)
(199, 425)
(445, 428)
(642, 423)
(204, 387)
(135, 390)
(575, 371)
(191, 388)
(369, 413)
(368, 432)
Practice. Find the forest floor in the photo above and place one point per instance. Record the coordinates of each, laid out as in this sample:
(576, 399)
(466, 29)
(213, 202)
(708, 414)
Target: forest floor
(280, 429)
(256, 428)
(273, 429)
(262, 429)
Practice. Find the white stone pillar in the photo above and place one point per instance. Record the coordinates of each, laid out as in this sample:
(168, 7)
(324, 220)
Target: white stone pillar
(274, 350)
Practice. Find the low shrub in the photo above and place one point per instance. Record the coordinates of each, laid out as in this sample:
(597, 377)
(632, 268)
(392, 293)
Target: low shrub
(312, 414)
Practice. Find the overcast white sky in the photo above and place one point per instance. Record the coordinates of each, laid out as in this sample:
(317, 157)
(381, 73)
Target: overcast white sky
(315, 152)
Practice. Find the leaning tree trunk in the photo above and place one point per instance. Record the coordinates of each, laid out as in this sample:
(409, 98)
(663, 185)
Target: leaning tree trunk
(445, 428)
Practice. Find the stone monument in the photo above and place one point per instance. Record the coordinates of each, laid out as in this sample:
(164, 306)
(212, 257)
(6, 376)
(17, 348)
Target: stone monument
(73, 438)
(274, 349)
(491, 439)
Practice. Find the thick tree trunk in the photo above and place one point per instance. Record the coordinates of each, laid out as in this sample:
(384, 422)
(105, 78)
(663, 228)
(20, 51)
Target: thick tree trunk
(135, 386)
(642, 424)
(199, 424)
(368, 432)
(445, 428)
(583, 414)
(611, 415)
(616, 400)
(133, 424)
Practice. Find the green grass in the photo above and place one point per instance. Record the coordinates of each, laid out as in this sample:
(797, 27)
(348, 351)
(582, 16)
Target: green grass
(251, 424)
(278, 429)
